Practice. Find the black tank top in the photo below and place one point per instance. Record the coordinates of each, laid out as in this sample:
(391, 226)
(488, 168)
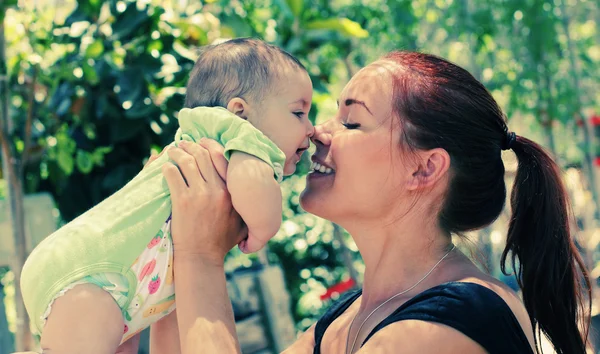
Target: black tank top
(476, 311)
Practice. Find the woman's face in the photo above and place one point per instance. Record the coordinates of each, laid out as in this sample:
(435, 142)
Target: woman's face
(362, 170)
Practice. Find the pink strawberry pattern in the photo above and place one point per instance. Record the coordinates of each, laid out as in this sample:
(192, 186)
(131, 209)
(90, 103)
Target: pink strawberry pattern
(147, 270)
(154, 285)
(156, 240)
(155, 281)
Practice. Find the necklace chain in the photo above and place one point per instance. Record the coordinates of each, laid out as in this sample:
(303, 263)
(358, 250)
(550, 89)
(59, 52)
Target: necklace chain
(388, 300)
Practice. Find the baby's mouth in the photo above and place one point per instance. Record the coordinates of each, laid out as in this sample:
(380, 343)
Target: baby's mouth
(301, 151)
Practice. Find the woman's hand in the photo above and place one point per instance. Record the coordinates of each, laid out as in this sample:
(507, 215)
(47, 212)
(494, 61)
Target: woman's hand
(204, 228)
(204, 223)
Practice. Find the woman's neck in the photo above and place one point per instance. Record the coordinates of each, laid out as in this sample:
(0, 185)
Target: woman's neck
(397, 255)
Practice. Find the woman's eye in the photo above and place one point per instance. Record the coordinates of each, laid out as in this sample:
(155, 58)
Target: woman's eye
(351, 125)
(299, 114)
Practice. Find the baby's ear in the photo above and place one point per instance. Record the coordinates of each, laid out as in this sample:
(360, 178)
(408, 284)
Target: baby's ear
(239, 107)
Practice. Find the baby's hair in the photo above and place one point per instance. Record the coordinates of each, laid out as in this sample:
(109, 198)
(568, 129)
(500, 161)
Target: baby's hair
(242, 67)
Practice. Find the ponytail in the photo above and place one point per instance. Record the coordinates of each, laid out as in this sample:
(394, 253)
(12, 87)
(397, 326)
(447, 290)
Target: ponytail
(440, 105)
(548, 267)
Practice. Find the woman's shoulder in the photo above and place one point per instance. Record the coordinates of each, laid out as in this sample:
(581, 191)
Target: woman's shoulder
(470, 314)
(491, 290)
(479, 303)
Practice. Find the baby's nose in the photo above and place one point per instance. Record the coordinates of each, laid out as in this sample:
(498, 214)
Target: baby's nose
(321, 134)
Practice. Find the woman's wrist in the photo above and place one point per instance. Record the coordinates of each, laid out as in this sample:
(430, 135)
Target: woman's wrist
(201, 260)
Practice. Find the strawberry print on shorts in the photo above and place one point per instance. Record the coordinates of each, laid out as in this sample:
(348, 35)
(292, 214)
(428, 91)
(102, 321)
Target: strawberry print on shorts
(155, 294)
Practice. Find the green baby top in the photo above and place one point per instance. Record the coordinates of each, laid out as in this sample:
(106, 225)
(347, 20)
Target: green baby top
(109, 237)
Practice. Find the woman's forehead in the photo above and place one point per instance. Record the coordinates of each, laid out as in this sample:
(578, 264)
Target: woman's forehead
(373, 86)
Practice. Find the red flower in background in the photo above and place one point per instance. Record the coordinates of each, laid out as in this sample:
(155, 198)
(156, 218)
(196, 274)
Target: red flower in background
(338, 288)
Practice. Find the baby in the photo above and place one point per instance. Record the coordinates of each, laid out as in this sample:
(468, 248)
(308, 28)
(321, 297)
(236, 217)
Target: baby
(250, 96)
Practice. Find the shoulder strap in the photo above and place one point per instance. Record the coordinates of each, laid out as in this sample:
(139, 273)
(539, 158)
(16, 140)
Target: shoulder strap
(476, 311)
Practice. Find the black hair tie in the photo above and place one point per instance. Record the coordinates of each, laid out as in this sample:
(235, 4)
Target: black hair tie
(509, 139)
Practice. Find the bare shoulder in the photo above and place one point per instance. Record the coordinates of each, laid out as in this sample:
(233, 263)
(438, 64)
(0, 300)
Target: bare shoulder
(420, 337)
(305, 344)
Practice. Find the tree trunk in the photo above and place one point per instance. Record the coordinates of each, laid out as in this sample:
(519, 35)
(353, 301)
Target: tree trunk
(6, 338)
(15, 198)
(578, 112)
(543, 102)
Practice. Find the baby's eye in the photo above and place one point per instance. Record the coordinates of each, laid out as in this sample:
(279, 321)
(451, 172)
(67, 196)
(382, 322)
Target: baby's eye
(299, 114)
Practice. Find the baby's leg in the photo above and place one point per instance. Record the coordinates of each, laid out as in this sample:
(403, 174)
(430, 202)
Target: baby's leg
(86, 319)
(132, 345)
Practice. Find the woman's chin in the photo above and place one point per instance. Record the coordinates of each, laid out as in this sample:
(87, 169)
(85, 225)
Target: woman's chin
(314, 196)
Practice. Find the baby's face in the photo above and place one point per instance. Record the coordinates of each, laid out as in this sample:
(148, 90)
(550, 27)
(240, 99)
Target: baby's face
(283, 116)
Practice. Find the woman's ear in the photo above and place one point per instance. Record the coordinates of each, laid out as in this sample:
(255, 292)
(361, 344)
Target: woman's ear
(239, 107)
(433, 165)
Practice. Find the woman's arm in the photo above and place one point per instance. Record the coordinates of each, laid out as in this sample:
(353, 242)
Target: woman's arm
(205, 319)
(305, 344)
(204, 228)
(164, 335)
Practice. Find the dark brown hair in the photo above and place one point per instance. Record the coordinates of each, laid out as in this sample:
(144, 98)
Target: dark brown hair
(441, 105)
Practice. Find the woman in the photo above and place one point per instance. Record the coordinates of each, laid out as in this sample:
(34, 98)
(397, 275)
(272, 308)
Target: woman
(414, 154)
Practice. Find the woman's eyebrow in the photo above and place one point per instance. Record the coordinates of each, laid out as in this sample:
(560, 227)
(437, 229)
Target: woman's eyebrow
(351, 101)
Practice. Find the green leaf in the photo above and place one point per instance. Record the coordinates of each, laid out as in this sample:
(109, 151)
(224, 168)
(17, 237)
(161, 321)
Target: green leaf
(140, 110)
(61, 100)
(130, 21)
(84, 161)
(8, 3)
(341, 25)
(65, 161)
(98, 155)
(95, 49)
(78, 15)
(90, 74)
(131, 86)
(184, 51)
(296, 6)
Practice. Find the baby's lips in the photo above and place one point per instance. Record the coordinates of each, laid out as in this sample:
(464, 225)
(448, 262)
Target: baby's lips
(243, 245)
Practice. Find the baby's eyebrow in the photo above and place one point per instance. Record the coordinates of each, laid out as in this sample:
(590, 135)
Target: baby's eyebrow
(351, 101)
(302, 101)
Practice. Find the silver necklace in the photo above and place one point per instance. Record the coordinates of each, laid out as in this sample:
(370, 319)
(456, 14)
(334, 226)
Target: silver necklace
(388, 300)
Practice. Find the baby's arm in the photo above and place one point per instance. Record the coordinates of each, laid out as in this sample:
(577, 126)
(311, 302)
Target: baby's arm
(256, 196)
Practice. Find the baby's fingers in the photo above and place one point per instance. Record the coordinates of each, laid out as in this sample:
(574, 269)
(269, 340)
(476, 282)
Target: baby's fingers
(217, 156)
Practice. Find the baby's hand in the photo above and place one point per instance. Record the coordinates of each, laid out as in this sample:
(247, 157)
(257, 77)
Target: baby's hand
(216, 154)
(251, 244)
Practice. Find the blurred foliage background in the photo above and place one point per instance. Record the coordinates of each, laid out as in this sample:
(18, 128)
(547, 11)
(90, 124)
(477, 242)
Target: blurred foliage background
(94, 86)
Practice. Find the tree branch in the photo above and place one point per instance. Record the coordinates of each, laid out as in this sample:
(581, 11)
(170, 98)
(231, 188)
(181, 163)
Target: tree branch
(28, 123)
